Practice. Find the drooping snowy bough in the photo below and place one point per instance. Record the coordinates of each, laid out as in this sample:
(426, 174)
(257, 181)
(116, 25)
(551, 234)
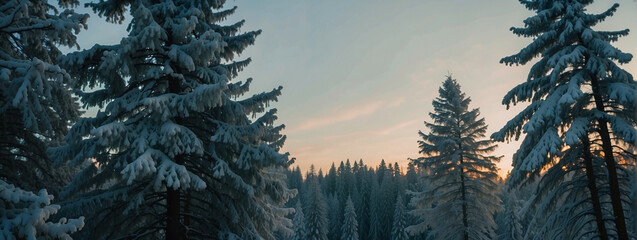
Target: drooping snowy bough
(174, 152)
(24, 215)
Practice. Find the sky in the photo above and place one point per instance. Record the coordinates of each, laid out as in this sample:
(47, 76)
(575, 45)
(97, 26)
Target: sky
(359, 76)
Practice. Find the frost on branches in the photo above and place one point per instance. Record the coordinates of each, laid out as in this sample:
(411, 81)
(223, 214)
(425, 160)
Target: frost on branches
(580, 124)
(36, 105)
(460, 199)
(177, 151)
(24, 215)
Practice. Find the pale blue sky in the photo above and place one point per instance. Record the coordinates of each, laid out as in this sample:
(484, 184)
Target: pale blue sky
(359, 76)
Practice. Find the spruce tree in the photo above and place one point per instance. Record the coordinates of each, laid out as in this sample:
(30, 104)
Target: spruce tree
(375, 210)
(385, 208)
(350, 225)
(175, 152)
(461, 199)
(331, 180)
(334, 215)
(316, 219)
(400, 220)
(363, 207)
(580, 99)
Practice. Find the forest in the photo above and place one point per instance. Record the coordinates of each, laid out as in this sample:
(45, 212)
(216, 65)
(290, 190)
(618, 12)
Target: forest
(180, 148)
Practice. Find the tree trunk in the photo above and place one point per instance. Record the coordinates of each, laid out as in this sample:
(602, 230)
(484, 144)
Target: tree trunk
(465, 222)
(464, 202)
(173, 196)
(173, 207)
(592, 187)
(607, 147)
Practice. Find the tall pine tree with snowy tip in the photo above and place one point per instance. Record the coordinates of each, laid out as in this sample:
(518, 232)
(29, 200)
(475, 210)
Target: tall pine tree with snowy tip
(461, 198)
(582, 110)
(175, 153)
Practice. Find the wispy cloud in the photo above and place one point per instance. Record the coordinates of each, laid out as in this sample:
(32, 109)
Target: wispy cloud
(336, 116)
(346, 114)
(398, 126)
(354, 137)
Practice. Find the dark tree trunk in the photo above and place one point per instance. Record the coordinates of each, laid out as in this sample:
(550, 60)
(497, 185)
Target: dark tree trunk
(607, 147)
(173, 212)
(174, 230)
(592, 187)
(465, 222)
(463, 188)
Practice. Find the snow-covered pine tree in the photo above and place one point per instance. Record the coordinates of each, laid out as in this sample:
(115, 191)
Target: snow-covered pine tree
(316, 219)
(400, 221)
(350, 225)
(363, 206)
(385, 208)
(175, 153)
(36, 105)
(299, 223)
(461, 198)
(578, 93)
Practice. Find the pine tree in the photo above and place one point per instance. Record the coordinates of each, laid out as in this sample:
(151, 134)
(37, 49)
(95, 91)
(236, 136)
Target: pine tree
(580, 99)
(382, 171)
(385, 208)
(299, 223)
(330, 180)
(400, 220)
(350, 225)
(36, 105)
(316, 220)
(375, 210)
(461, 199)
(334, 215)
(363, 207)
(175, 153)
